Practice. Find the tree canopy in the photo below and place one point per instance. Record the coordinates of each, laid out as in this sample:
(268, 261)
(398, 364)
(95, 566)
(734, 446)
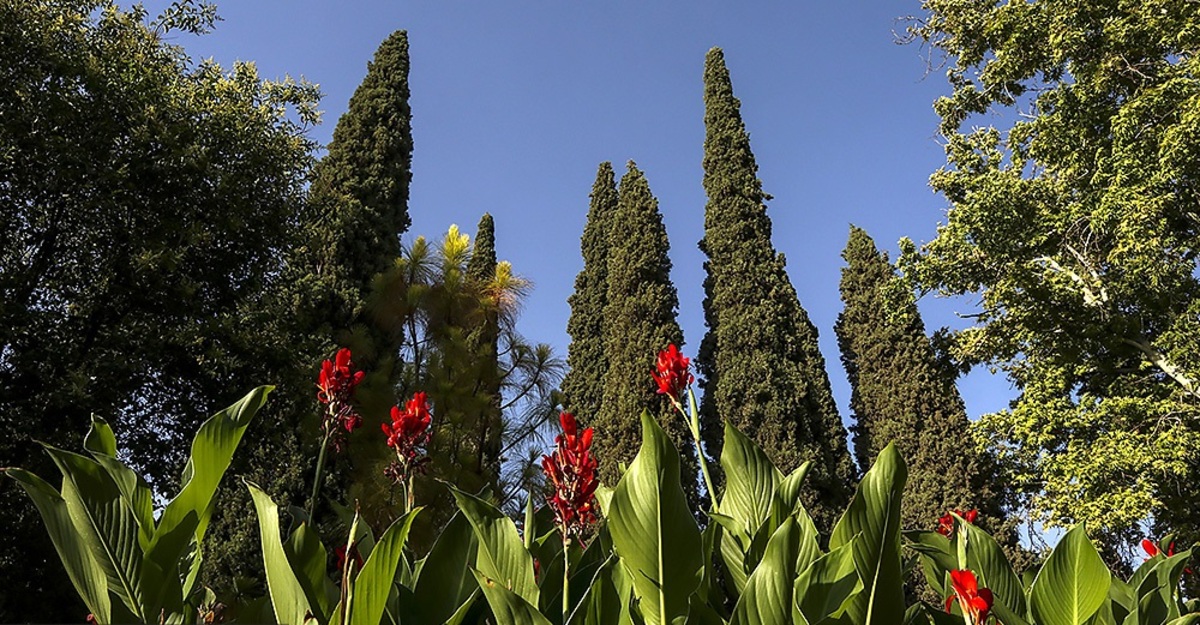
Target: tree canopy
(145, 203)
(1072, 134)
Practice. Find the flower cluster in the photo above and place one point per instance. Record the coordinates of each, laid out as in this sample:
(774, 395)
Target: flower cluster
(975, 602)
(671, 372)
(572, 471)
(407, 435)
(335, 389)
(946, 522)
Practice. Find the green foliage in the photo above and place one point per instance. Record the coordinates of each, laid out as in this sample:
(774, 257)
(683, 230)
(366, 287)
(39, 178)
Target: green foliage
(761, 366)
(639, 321)
(146, 201)
(899, 395)
(1074, 224)
(125, 565)
(586, 357)
(358, 202)
(455, 339)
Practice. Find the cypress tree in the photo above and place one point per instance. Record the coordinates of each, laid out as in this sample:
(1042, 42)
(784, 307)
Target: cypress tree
(583, 385)
(484, 342)
(349, 231)
(900, 393)
(639, 321)
(761, 366)
(358, 202)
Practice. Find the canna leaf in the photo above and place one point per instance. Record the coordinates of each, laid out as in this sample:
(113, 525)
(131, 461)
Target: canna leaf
(84, 572)
(502, 554)
(508, 607)
(1072, 584)
(767, 598)
(373, 584)
(653, 530)
(874, 516)
(986, 558)
(823, 589)
(288, 599)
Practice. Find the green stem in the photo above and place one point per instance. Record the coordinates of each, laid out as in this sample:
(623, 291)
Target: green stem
(316, 489)
(693, 422)
(566, 601)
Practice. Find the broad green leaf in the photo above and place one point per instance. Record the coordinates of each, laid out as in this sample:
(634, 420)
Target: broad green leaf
(874, 513)
(508, 608)
(373, 584)
(751, 481)
(108, 526)
(84, 572)
(936, 555)
(212, 450)
(309, 562)
(288, 599)
(1123, 598)
(100, 438)
(1190, 619)
(822, 590)
(767, 598)
(991, 567)
(502, 553)
(653, 531)
(786, 500)
(444, 583)
(1072, 583)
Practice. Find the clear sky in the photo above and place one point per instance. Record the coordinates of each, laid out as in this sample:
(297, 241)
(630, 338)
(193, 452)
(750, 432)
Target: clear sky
(516, 102)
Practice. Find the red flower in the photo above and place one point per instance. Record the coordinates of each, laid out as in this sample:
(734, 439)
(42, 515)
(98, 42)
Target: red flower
(975, 602)
(671, 372)
(946, 522)
(1151, 549)
(339, 555)
(571, 469)
(335, 389)
(408, 433)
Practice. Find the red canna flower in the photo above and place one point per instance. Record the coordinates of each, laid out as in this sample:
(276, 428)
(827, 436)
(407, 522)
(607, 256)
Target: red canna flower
(571, 469)
(946, 522)
(409, 432)
(671, 372)
(1151, 549)
(335, 388)
(975, 602)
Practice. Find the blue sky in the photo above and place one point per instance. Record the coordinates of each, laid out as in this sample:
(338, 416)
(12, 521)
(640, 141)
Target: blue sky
(515, 103)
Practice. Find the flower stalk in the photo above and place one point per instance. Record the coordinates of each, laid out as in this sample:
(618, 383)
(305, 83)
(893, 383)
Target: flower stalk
(673, 377)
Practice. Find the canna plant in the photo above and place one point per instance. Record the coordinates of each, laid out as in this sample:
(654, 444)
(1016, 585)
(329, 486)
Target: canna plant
(128, 564)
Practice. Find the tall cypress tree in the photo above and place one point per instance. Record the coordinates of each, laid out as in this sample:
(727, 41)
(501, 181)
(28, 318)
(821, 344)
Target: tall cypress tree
(358, 202)
(639, 321)
(900, 394)
(761, 365)
(484, 342)
(583, 385)
(350, 231)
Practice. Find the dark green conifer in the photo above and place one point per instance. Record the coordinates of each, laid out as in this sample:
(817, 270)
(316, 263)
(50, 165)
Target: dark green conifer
(484, 342)
(761, 365)
(358, 202)
(583, 385)
(901, 394)
(639, 321)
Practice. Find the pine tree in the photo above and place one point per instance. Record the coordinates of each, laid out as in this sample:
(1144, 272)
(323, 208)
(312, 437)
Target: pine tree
(901, 394)
(639, 321)
(761, 366)
(583, 386)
